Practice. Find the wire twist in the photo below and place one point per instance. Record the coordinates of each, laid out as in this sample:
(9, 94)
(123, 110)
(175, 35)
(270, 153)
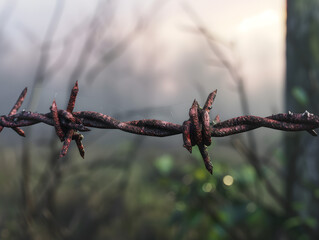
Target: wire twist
(197, 130)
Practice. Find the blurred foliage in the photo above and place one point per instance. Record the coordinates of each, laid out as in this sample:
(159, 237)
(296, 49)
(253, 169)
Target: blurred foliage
(144, 194)
(300, 96)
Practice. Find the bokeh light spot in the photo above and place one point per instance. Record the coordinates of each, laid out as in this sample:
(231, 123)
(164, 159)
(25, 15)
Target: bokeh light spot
(208, 187)
(228, 180)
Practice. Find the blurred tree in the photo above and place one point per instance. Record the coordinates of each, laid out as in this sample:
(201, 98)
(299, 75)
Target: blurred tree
(302, 89)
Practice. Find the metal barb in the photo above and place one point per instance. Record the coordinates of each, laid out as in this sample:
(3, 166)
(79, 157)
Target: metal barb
(307, 114)
(197, 130)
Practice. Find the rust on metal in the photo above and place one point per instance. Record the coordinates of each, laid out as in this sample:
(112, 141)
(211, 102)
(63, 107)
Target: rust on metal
(14, 110)
(78, 139)
(57, 126)
(210, 100)
(197, 130)
(187, 135)
(67, 140)
(73, 95)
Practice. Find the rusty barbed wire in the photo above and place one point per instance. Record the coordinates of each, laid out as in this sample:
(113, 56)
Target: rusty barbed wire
(197, 130)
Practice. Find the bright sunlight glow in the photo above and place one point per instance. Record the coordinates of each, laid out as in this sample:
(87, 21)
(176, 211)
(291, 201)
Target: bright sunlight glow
(265, 18)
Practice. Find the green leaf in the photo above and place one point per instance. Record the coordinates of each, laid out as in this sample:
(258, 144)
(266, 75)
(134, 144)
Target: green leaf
(311, 222)
(300, 95)
(292, 222)
(180, 206)
(248, 174)
(200, 174)
(298, 206)
(164, 164)
(316, 192)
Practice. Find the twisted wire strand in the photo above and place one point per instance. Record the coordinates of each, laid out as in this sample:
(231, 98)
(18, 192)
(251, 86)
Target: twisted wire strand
(197, 130)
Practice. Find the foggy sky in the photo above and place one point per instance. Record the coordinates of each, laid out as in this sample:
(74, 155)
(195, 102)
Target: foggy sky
(163, 65)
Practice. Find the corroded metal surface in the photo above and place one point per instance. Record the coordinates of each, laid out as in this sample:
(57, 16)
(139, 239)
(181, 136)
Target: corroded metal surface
(197, 130)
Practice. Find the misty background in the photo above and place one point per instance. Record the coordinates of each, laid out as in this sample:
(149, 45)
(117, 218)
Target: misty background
(162, 64)
(148, 60)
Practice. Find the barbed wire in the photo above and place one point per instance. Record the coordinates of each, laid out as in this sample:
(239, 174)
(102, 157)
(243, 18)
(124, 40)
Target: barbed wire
(197, 130)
